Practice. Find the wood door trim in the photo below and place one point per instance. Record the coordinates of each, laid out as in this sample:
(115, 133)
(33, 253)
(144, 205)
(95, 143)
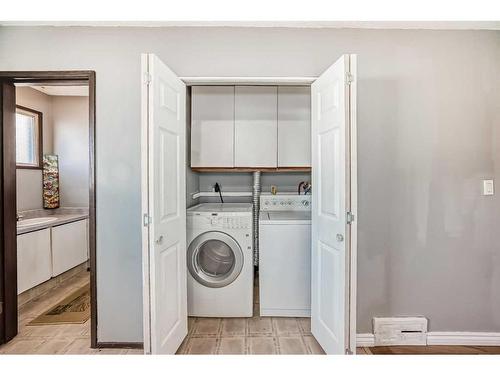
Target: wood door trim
(8, 235)
(92, 210)
(54, 77)
(120, 345)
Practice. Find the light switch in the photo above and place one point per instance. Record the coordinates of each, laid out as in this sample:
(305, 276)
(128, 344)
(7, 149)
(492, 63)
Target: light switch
(488, 187)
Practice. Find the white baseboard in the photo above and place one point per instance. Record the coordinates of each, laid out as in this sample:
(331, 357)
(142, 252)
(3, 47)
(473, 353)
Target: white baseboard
(464, 338)
(365, 339)
(443, 338)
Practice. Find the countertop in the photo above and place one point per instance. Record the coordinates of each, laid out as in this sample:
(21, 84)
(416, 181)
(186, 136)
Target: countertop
(62, 218)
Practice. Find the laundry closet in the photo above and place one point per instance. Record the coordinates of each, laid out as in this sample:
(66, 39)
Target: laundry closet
(249, 201)
(249, 144)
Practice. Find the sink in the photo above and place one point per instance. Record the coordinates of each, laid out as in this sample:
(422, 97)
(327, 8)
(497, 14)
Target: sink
(35, 221)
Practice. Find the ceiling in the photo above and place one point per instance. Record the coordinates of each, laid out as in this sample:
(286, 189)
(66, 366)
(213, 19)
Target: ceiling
(63, 90)
(429, 25)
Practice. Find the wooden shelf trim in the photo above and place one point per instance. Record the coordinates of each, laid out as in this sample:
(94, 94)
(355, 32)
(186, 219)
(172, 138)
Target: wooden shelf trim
(245, 169)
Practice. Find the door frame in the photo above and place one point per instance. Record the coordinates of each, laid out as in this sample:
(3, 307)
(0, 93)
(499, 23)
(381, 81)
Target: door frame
(8, 275)
(352, 168)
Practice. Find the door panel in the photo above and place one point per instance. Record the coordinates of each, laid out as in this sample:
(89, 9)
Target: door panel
(212, 126)
(330, 304)
(256, 126)
(166, 306)
(34, 260)
(69, 246)
(294, 126)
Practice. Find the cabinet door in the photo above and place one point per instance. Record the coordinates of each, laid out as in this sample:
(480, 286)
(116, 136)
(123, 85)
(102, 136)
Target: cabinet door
(212, 126)
(33, 259)
(294, 126)
(256, 115)
(69, 246)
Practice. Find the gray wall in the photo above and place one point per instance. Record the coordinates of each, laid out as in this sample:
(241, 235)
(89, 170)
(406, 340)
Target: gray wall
(70, 116)
(428, 116)
(29, 181)
(192, 178)
(236, 182)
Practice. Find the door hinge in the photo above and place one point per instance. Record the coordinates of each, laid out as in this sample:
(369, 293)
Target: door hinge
(146, 220)
(349, 217)
(1, 308)
(349, 78)
(147, 78)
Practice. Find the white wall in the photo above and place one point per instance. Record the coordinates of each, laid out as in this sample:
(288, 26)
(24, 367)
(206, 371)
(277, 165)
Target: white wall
(29, 181)
(428, 115)
(71, 143)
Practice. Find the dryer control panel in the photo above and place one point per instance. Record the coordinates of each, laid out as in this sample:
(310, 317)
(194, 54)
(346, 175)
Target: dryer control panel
(285, 202)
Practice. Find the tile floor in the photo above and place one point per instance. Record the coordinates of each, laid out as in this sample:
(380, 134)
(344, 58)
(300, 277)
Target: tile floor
(256, 335)
(55, 339)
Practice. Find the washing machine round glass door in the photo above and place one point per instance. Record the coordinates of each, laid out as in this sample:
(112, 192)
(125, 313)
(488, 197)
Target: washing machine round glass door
(215, 259)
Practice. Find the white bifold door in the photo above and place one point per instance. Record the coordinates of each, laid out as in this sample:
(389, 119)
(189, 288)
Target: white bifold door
(334, 203)
(164, 207)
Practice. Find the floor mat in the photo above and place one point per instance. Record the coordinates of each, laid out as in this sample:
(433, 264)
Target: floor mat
(74, 309)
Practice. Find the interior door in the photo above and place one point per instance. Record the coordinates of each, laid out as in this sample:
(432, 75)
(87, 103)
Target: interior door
(164, 96)
(8, 235)
(332, 100)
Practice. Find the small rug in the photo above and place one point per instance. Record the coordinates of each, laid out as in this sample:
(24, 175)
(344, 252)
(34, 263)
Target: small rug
(74, 309)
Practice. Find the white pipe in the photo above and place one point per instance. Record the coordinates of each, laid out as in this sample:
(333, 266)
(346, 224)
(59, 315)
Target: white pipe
(226, 194)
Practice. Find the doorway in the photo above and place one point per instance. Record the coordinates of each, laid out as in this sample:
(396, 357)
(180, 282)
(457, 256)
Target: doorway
(333, 271)
(11, 283)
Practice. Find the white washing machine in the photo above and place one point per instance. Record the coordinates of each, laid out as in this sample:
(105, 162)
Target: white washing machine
(220, 260)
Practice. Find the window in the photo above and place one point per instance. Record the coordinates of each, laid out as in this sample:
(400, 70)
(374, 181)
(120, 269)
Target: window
(28, 138)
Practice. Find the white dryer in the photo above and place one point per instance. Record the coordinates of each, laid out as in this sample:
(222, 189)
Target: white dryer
(220, 260)
(285, 255)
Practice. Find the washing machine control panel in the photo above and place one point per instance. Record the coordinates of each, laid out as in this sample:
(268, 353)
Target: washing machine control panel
(220, 222)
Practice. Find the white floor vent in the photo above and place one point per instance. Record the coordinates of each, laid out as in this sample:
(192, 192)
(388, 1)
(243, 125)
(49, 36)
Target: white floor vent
(400, 331)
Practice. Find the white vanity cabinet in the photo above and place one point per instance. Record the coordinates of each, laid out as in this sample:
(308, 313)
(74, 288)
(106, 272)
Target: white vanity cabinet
(69, 246)
(294, 126)
(255, 126)
(34, 263)
(212, 126)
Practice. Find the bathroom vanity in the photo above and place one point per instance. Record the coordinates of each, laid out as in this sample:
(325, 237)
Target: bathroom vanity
(49, 246)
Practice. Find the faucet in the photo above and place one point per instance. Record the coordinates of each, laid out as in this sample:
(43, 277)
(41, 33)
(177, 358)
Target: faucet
(305, 186)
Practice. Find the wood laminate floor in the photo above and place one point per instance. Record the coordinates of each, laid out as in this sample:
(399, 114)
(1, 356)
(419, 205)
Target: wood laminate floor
(55, 339)
(434, 349)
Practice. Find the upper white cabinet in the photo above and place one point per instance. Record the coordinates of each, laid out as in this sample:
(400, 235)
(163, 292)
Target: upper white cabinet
(250, 126)
(212, 126)
(256, 125)
(294, 126)
(69, 246)
(34, 263)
